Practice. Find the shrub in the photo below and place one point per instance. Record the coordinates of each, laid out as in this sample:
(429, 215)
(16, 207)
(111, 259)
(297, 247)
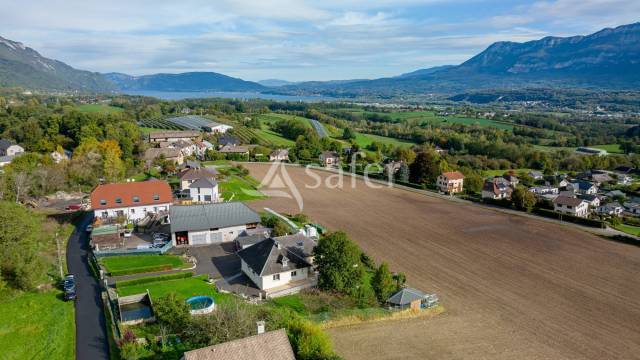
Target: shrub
(172, 312)
(152, 279)
(308, 340)
(383, 283)
(569, 218)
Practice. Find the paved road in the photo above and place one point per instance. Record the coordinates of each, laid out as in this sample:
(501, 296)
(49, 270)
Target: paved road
(91, 335)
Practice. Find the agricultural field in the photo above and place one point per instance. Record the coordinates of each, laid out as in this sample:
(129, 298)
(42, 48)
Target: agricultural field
(99, 108)
(431, 117)
(363, 140)
(37, 326)
(136, 264)
(513, 286)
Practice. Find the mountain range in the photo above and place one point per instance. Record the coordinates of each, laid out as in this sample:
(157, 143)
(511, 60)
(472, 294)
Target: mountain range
(22, 66)
(607, 59)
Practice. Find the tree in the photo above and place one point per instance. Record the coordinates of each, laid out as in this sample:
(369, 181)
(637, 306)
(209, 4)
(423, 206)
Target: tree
(404, 154)
(348, 134)
(337, 259)
(473, 183)
(232, 320)
(280, 228)
(425, 169)
(400, 279)
(523, 199)
(383, 283)
(173, 312)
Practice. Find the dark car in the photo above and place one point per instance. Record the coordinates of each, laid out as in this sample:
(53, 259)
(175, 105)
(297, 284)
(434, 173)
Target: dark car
(70, 294)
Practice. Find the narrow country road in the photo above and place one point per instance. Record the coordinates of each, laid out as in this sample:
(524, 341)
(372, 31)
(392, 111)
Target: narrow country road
(91, 335)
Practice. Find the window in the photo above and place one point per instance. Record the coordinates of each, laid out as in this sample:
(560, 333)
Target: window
(156, 197)
(294, 273)
(118, 200)
(133, 211)
(136, 199)
(103, 202)
(276, 277)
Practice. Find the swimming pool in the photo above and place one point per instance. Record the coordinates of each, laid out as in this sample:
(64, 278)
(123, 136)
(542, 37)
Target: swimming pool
(201, 304)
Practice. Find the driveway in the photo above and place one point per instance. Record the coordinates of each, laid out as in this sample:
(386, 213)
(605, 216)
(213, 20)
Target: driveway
(218, 261)
(91, 335)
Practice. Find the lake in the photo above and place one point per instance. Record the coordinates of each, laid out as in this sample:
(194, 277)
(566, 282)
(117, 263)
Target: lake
(176, 95)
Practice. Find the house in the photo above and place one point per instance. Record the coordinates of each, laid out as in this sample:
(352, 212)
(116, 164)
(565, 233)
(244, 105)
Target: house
(611, 209)
(593, 200)
(204, 190)
(132, 200)
(187, 148)
(272, 345)
(58, 156)
(217, 128)
(571, 205)
(392, 167)
(632, 208)
(191, 174)
(409, 298)
(330, 158)
(497, 189)
(624, 179)
(544, 190)
(170, 154)
(440, 150)
(279, 267)
(210, 223)
(202, 147)
(10, 148)
(241, 149)
(450, 182)
(583, 187)
(227, 139)
(199, 123)
(615, 194)
(562, 184)
(511, 179)
(536, 175)
(172, 136)
(279, 155)
(591, 151)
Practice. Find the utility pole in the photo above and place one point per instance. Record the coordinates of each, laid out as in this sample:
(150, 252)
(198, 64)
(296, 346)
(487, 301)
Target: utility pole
(59, 257)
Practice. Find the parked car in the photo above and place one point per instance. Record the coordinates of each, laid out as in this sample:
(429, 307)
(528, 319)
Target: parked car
(89, 228)
(73, 207)
(70, 295)
(69, 281)
(160, 236)
(127, 233)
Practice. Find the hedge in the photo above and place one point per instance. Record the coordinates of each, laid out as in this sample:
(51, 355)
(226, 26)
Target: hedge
(568, 218)
(151, 279)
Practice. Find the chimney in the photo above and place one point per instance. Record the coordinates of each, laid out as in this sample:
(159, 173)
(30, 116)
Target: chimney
(260, 327)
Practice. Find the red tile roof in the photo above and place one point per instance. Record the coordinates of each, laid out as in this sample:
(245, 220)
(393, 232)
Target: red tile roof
(145, 191)
(453, 175)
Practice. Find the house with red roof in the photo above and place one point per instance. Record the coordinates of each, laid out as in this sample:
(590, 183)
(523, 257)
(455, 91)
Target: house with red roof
(131, 200)
(450, 182)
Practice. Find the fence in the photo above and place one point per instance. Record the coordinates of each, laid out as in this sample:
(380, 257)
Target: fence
(149, 251)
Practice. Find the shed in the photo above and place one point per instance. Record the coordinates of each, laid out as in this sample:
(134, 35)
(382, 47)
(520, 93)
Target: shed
(407, 298)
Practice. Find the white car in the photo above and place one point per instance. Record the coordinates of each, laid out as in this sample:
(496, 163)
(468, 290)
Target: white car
(127, 233)
(89, 228)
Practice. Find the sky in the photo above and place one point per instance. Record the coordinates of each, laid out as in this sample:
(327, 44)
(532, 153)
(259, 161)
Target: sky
(289, 39)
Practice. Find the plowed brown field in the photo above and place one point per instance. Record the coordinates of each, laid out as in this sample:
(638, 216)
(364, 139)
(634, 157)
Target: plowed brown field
(513, 287)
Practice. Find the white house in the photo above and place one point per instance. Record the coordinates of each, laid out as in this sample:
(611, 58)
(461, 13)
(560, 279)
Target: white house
(204, 190)
(583, 187)
(593, 200)
(544, 190)
(10, 148)
(280, 266)
(132, 200)
(612, 209)
(210, 223)
(572, 206)
(279, 155)
(329, 158)
(57, 156)
(192, 174)
(450, 182)
(218, 128)
(632, 208)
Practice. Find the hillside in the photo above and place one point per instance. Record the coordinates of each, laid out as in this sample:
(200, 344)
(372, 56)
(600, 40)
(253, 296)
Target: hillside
(22, 66)
(607, 59)
(190, 81)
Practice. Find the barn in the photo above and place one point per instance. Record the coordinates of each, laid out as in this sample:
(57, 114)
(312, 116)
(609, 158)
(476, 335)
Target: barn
(210, 223)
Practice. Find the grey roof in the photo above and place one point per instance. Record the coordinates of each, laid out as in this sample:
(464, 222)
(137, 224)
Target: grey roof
(406, 296)
(197, 173)
(615, 193)
(588, 197)
(193, 122)
(583, 185)
(565, 200)
(211, 216)
(269, 257)
(298, 243)
(203, 183)
(249, 240)
(4, 144)
(7, 158)
(272, 345)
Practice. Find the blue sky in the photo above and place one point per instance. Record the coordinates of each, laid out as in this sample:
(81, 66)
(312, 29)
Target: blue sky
(288, 39)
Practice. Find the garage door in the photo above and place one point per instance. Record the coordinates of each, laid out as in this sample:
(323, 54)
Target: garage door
(198, 239)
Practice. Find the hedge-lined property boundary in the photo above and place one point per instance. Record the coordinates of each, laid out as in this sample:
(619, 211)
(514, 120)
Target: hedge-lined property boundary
(152, 279)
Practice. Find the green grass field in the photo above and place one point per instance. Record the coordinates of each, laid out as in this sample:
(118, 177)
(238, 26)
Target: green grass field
(431, 117)
(633, 230)
(611, 148)
(267, 119)
(184, 288)
(238, 188)
(99, 108)
(363, 140)
(492, 173)
(136, 264)
(37, 326)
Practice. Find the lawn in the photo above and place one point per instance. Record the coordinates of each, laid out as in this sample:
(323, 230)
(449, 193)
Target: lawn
(136, 264)
(238, 188)
(99, 108)
(492, 173)
(363, 140)
(611, 148)
(629, 229)
(184, 288)
(37, 326)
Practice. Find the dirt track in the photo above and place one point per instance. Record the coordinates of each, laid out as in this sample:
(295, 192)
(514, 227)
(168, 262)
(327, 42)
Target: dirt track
(514, 288)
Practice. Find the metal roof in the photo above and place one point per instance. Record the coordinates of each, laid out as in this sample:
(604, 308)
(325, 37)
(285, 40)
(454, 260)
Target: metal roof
(193, 122)
(211, 216)
(406, 296)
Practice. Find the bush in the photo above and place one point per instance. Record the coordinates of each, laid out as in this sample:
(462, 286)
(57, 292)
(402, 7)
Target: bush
(172, 312)
(569, 218)
(152, 279)
(308, 340)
